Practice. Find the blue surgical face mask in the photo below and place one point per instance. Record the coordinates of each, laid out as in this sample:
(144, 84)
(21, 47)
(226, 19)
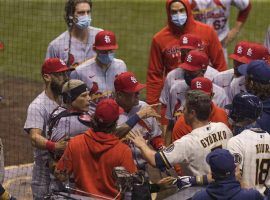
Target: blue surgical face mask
(83, 21)
(105, 58)
(179, 19)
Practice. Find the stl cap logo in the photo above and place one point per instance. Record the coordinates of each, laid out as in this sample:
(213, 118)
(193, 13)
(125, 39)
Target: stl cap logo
(133, 79)
(249, 52)
(62, 62)
(189, 58)
(185, 40)
(240, 50)
(107, 39)
(198, 85)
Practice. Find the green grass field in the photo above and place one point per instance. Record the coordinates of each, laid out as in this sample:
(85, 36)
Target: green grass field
(27, 26)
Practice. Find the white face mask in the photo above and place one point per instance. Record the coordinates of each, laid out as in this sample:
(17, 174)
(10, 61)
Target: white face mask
(179, 19)
(83, 21)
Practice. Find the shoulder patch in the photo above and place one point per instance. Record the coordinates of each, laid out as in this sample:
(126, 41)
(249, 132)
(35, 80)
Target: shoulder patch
(169, 148)
(237, 158)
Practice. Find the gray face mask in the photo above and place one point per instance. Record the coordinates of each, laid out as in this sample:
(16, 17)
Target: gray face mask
(179, 19)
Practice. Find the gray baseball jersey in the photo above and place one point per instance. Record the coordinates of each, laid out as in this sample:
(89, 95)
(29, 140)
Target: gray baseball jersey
(37, 117)
(79, 51)
(99, 80)
(66, 127)
(149, 129)
(251, 149)
(237, 85)
(177, 74)
(217, 13)
(177, 98)
(191, 150)
(2, 165)
(224, 79)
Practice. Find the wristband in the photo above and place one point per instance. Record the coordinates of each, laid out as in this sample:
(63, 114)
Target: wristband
(193, 180)
(50, 146)
(132, 121)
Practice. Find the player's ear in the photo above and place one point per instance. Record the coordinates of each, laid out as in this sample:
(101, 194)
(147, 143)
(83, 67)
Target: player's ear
(47, 77)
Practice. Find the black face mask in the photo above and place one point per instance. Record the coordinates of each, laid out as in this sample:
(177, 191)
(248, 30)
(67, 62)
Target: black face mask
(188, 78)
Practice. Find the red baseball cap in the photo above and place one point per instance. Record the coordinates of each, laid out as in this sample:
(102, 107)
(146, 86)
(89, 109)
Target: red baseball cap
(195, 60)
(105, 40)
(107, 111)
(190, 41)
(255, 51)
(203, 84)
(127, 82)
(240, 50)
(54, 65)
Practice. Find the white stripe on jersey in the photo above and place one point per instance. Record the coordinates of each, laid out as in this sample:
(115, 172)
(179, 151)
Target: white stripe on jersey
(252, 151)
(191, 150)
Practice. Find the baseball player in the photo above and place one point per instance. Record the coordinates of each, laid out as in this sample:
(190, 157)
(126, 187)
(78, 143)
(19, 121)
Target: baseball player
(257, 76)
(251, 148)
(99, 73)
(216, 14)
(75, 45)
(194, 66)
(190, 150)
(187, 42)
(254, 51)
(54, 75)
(165, 44)
(225, 184)
(93, 155)
(66, 121)
(127, 90)
(217, 114)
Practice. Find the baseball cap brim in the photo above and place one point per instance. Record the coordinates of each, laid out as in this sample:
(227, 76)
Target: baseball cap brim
(235, 57)
(242, 69)
(111, 47)
(189, 67)
(244, 60)
(136, 89)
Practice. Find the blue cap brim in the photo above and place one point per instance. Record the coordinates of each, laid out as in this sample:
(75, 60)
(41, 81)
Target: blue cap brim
(242, 69)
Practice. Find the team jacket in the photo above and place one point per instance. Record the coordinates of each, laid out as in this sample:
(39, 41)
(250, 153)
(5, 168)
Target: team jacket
(165, 44)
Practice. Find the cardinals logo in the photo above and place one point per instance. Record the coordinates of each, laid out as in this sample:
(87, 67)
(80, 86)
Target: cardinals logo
(178, 109)
(94, 88)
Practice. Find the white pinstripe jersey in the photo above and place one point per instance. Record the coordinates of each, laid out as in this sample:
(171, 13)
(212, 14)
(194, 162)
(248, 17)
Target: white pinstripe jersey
(216, 13)
(153, 131)
(251, 149)
(237, 85)
(97, 79)
(191, 150)
(177, 74)
(80, 51)
(224, 79)
(177, 98)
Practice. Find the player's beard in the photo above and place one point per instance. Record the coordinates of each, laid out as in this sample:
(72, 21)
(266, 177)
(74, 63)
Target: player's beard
(56, 88)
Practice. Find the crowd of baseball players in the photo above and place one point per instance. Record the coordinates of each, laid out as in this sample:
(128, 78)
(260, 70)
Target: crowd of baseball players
(207, 121)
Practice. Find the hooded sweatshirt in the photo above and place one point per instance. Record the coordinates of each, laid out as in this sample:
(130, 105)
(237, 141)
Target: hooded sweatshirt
(227, 190)
(165, 44)
(91, 157)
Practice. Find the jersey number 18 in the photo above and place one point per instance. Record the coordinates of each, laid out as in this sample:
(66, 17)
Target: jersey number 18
(262, 169)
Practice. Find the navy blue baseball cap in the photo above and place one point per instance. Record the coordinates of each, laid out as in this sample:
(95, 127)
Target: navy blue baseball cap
(258, 70)
(221, 162)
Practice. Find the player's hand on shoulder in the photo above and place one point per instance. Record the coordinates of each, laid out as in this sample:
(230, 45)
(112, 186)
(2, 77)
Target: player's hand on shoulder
(137, 138)
(148, 111)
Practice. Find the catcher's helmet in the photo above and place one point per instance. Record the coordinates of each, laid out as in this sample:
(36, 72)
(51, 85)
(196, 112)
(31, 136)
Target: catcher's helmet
(245, 106)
